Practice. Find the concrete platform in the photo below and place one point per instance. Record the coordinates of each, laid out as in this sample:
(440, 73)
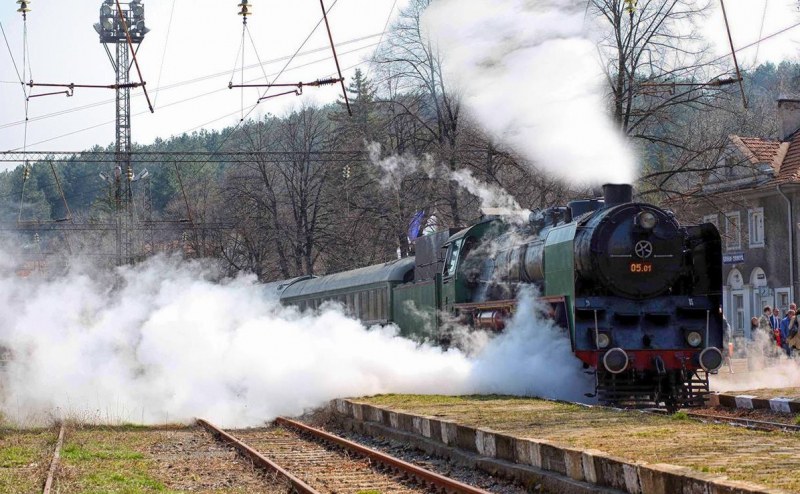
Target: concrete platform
(509, 450)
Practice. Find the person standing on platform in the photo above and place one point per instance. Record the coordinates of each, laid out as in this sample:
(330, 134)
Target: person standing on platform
(775, 318)
(784, 330)
(764, 323)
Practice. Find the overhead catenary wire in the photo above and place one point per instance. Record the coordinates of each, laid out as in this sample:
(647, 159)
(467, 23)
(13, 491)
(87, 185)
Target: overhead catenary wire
(236, 127)
(283, 69)
(761, 31)
(164, 54)
(195, 80)
(192, 98)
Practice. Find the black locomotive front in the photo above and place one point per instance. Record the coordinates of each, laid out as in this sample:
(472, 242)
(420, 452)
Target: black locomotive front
(647, 302)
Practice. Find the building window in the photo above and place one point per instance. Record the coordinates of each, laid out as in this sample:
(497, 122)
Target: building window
(712, 218)
(756, 227)
(733, 234)
(730, 167)
(782, 300)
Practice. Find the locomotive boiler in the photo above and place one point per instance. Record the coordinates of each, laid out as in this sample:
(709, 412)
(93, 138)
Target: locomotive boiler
(637, 294)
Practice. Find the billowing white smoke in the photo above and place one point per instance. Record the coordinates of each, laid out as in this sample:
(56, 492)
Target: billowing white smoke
(532, 357)
(767, 367)
(529, 72)
(163, 343)
(394, 168)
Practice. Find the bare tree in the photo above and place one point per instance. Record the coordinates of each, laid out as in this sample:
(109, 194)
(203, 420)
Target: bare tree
(413, 67)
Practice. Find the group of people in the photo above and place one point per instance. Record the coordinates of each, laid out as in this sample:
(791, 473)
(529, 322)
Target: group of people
(783, 332)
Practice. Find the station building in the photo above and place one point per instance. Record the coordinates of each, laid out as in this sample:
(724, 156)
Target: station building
(754, 199)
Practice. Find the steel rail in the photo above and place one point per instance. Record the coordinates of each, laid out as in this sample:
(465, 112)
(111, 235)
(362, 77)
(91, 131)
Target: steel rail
(750, 423)
(763, 425)
(432, 478)
(48, 484)
(257, 458)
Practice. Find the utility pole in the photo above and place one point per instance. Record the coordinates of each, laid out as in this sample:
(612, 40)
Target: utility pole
(122, 25)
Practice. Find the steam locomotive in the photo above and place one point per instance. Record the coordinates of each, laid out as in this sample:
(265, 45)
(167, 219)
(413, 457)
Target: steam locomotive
(637, 294)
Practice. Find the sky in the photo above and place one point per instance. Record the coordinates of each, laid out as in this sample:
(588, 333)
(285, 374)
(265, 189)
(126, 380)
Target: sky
(203, 39)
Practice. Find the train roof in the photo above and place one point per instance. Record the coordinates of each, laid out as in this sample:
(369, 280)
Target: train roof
(394, 271)
(277, 287)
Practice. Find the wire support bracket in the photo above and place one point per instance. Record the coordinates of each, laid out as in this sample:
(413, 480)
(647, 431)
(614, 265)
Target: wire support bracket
(298, 85)
(70, 87)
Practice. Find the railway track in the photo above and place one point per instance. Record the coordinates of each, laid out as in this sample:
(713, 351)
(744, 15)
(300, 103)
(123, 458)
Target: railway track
(755, 424)
(314, 461)
(762, 425)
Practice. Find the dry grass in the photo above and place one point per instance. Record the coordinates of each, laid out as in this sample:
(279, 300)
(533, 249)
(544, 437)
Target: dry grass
(133, 459)
(768, 393)
(769, 458)
(24, 459)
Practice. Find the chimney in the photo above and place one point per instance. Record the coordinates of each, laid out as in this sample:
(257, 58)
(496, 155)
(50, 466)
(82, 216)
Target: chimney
(788, 116)
(616, 194)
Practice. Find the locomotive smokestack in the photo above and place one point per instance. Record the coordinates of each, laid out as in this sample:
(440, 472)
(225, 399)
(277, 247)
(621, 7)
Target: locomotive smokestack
(616, 194)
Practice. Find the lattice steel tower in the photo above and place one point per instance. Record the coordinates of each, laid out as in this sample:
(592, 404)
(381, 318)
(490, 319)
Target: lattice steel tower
(122, 25)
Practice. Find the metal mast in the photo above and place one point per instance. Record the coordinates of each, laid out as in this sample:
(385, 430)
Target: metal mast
(123, 26)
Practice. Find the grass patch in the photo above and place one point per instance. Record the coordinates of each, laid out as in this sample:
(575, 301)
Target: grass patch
(680, 415)
(16, 456)
(371, 491)
(797, 420)
(110, 481)
(77, 452)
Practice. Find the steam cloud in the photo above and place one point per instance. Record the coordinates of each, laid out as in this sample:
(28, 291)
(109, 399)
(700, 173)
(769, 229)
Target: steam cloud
(164, 342)
(395, 168)
(529, 72)
(767, 368)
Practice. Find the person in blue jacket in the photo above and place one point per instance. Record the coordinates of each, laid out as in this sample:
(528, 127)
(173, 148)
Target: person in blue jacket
(785, 331)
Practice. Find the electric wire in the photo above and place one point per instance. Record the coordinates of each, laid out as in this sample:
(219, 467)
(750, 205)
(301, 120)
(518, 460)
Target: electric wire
(258, 57)
(13, 60)
(761, 31)
(252, 108)
(241, 94)
(164, 55)
(195, 80)
(386, 24)
(192, 98)
(25, 66)
(755, 43)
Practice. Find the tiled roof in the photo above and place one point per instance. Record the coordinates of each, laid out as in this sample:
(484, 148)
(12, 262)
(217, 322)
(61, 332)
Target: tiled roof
(783, 157)
(757, 150)
(789, 170)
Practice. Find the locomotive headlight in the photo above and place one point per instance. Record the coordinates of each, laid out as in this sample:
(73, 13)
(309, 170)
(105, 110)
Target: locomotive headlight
(647, 220)
(603, 340)
(693, 338)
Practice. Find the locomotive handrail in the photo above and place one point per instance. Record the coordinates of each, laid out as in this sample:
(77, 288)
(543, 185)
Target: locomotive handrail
(596, 329)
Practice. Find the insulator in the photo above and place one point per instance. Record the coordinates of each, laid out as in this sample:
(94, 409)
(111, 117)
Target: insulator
(24, 7)
(630, 6)
(324, 82)
(244, 8)
(36, 237)
(346, 172)
(26, 173)
(129, 173)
